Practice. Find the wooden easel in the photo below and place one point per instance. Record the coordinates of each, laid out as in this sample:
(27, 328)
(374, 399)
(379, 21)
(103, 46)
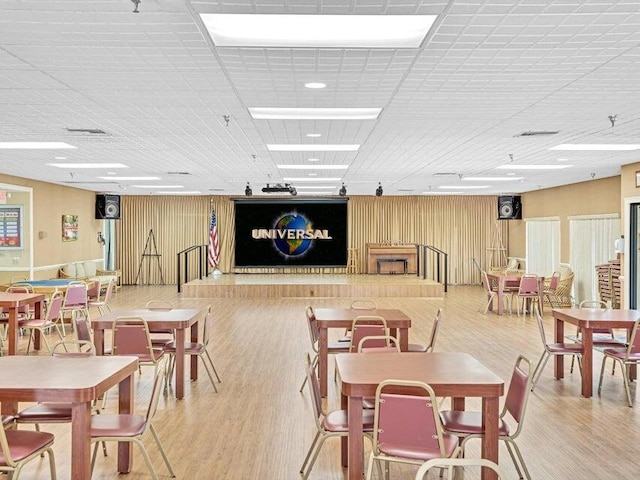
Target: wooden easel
(497, 251)
(150, 252)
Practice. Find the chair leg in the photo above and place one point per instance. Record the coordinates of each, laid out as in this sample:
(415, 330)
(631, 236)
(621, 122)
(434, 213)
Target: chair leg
(93, 457)
(537, 372)
(627, 388)
(147, 460)
(370, 467)
(311, 448)
(314, 364)
(511, 443)
(162, 452)
(215, 372)
(52, 463)
(604, 360)
(206, 367)
(315, 456)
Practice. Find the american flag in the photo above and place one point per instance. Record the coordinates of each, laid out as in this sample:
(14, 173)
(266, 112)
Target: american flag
(214, 245)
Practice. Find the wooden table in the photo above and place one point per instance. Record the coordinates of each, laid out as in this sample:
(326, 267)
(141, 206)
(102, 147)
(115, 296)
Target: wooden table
(178, 319)
(455, 375)
(503, 281)
(11, 302)
(588, 319)
(327, 318)
(75, 380)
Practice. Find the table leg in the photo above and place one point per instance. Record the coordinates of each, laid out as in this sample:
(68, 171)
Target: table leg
(344, 441)
(323, 353)
(80, 440)
(354, 414)
(490, 413)
(98, 341)
(558, 361)
(180, 334)
(501, 296)
(37, 307)
(125, 405)
(404, 339)
(194, 358)
(13, 331)
(587, 362)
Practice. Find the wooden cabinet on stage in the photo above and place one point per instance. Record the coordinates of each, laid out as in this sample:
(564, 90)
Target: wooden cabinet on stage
(387, 258)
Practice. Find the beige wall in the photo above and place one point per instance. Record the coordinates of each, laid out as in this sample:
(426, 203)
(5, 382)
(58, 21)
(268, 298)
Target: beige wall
(586, 198)
(50, 202)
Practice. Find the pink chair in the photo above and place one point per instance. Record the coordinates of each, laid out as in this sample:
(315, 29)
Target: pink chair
(48, 322)
(333, 424)
(551, 291)
(129, 427)
(131, 337)
(372, 344)
(19, 447)
(413, 347)
(490, 293)
(553, 349)
(468, 425)
(75, 300)
(368, 326)
(103, 305)
(160, 336)
(626, 357)
(528, 292)
(407, 428)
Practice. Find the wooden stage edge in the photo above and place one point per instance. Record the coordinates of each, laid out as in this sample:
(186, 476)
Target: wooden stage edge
(230, 285)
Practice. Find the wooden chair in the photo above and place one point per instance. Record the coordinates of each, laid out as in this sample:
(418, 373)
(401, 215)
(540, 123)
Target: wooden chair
(368, 326)
(528, 292)
(50, 321)
(414, 347)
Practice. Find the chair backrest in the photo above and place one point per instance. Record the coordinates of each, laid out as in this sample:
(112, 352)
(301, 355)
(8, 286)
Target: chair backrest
(131, 337)
(314, 332)
(314, 390)
(593, 304)
(634, 341)
(434, 331)
(555, 280)
(107, 294)
(155, 392)
(518, 393)
(21, 288)
(93, 292)
(6, 452)
(83, 348)
(205, 327)
(371, 344)
(76, 295)
(368, 326)
(541, 330)
(402, 419)
(17, 280)
(528, 284)
(485, 282)
(159, 305)
(54, 306)
(363, 305)
(458, 462)
(83, 329)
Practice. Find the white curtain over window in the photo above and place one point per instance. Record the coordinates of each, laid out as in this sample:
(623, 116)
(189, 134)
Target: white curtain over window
(543, 245)
(592, 241)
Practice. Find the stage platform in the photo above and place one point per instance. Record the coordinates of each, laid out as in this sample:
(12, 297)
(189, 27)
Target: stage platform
(293, 285)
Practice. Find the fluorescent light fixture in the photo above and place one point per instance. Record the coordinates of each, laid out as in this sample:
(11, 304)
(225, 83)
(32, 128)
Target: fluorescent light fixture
(88, 165)
(180, 193)
(328, 187)
(312, 174)
(282, 113)
(59, 158)
(307, 179)
(311, 147)
(490, 179)
(510, 166)
(130, 178)
(158, 186)
(466, 187)
(313, 159)
(317, 31)
(563, 160)
(315, 85)
(596, 147)
(442, 193)
(313, 135)
(313, 192)
(34, 145)
(314, 167)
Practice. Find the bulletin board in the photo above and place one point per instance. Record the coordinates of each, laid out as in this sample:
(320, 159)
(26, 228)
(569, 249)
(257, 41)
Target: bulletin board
(11, 234)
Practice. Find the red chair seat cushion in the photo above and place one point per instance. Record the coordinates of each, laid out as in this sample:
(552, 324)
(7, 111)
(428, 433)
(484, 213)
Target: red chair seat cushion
(620, 353)
(23, 443)
(420, 452)
(337, 421)
(564, 347)
(338, 347)
(7, 419)
(46, 413)
(114, 425)
(468, 422)
(189, 348)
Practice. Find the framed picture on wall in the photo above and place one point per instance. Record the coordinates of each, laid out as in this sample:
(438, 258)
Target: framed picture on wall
(69, 228)
(11, 236)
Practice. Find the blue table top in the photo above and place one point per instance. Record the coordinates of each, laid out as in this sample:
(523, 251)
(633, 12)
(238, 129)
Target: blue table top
(54, 282)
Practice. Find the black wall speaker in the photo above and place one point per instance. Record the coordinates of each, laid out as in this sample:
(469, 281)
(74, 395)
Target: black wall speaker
(107, 207)
(509, 207)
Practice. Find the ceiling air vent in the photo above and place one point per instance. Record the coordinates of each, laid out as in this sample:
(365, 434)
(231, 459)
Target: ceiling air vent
(91, 183)
(92, 131)
(178, 173)
(537, 133)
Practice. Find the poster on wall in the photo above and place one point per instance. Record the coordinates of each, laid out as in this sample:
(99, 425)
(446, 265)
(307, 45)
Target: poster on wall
(69, 228)
(11, 227)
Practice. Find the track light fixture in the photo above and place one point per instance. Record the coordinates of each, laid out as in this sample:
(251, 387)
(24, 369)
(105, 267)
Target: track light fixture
(343, 191)
(293, 191)
(247, 190)
(379, 190)
(136, 3)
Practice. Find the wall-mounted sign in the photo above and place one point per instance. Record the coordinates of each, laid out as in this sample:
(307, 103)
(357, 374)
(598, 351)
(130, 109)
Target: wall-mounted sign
(69, 228)
(11, 227)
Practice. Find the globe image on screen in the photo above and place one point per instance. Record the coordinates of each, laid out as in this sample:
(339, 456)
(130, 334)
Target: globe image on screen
(292, 247)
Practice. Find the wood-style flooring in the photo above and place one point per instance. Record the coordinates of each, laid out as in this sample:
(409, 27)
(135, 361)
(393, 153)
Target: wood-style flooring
(259, 427)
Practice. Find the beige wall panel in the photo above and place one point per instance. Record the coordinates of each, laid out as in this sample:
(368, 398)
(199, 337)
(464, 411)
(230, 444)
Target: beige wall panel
(586, 198)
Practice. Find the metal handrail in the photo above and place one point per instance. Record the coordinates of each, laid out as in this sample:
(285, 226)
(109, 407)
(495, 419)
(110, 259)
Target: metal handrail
(202, 262)
(442, 264)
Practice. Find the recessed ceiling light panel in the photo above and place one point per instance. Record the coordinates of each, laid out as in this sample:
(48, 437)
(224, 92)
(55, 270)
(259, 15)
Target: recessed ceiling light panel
(317, 31)
(88, 165)
(466, 187)
(585, 147)
(510, 166)
(292, 147)
(34, 145)
(315, 85)
(313, 167)
(130, 178)
(307, 179)
(491, 179)
(277, 113)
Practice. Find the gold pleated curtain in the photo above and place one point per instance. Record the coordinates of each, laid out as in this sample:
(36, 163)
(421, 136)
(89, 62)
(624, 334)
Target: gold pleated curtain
(465, 227)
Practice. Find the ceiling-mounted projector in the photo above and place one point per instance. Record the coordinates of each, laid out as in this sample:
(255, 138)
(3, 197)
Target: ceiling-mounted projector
(279, 188)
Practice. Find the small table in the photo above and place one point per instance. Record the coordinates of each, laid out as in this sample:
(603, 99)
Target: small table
(456, 375)
(48, 287)
(404, 261)
(588, 319)
(178, 319)
(75, 380)
(327, 318)
(504, 281)
(11, 302)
